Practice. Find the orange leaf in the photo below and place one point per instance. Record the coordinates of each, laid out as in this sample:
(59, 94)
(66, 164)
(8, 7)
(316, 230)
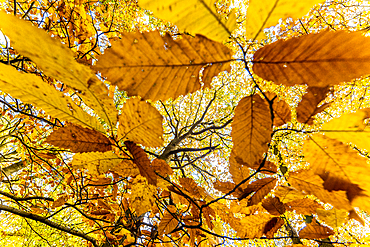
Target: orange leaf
(161, 167)
(59, 202)
(318, 60)
(79, 139)
(261, 188)
(308, 107)
(315, 231)
(273, 206)
(168, 222)
(281, 110)
(142, 161)
(303, 206)
(156, 67)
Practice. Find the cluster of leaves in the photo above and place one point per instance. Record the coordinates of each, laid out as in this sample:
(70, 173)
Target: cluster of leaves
(133, 147)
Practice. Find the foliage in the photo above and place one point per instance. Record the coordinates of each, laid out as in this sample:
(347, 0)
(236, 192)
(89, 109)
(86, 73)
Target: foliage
(122, 129)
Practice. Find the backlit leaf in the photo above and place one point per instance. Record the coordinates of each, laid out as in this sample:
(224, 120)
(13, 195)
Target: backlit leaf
(57, 61)
(168, 222)
(308, 107)
(260, 188)
(273, 226)
(339, 166)
(251, 129)
(318, 60)
(310, 183)
(156, 67)
(194, 16)
(267, 13)
(333, 217)
(31, 89)
(303, 206)
(79, 139)
(274, 206)
(350, 128)
(141, 123)
(315, 231)
(142, 195)
(142, 161)
(253, 226)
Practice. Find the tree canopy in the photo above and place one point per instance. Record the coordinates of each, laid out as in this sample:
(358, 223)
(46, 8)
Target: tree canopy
(184, 123)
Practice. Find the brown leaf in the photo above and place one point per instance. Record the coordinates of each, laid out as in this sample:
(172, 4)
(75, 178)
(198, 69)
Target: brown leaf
(79, 139)
(303, 206)
(141, 123)
(59, 202)
(156, 67)
(274, 206)
(273, 226)
(251, 129)
(189, 185)
(315, 231)
(161, 167)
(261, 188)
(142, 161)
(318, 60)
(308, 107)
(226, 187)
(168, 222)
(282, 112)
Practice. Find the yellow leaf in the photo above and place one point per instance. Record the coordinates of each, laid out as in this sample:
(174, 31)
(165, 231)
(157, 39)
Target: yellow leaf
(194, 16)
(79, 139)
(303, 206)
(251, 129)
(253, 226)
(310, 183)
(318, 60)
(350, 128)
(60, 201)
(141, 123)
(288, 194)
(339, 166)
(156, 67)
(333, 217)
(315, 231)
(267, 13)
(142, 195)
(58, 61)
(100, 163)
(168, 222)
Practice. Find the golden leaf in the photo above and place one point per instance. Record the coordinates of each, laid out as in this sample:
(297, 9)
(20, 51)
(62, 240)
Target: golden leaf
(141, 123)
(161, 167)
(142, 195)
(260, 188)
(31, 89)
(57, 61)
(333, 217)
(60, 201)
(274, 206)
(281, 110)
(194, 16)
(308, 107)
(99, 163)
(350, 128)
(318, 60)
(315, 231)
(79, 139)
(288, 194)
(142, 161)
(339, 166)
(310, 183)
(303, 206)
(168, 222)
(251, 129)
(267, 13)
(156, 67)
(253, 226)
